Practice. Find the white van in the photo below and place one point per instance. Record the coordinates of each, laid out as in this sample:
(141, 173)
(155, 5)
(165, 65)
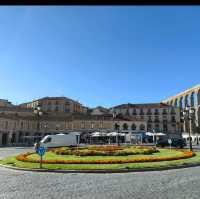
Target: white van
(59, 140)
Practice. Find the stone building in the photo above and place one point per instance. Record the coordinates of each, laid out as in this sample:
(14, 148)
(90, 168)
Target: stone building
(5, 103)
(56, 105)
(188, 98)
(158, 116)
(20, 126)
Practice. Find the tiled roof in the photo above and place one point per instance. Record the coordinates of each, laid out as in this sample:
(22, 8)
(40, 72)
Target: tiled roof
(150, 105)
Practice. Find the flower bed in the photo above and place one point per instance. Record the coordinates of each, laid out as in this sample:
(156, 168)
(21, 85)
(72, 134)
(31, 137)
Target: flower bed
(105, 151)
(183, 155)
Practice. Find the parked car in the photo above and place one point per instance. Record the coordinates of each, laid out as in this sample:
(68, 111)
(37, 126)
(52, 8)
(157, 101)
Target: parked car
(176, 142)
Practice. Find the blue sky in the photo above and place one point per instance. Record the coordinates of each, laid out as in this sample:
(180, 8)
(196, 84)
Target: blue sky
(98, 55)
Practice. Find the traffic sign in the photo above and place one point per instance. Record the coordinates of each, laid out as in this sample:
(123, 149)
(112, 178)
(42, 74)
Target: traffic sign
(41, 151)
(169, 141)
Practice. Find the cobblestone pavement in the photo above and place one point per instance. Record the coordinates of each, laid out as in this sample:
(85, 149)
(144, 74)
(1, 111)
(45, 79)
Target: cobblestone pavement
(182, 183)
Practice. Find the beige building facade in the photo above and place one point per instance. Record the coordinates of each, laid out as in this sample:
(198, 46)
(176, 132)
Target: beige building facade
(20, 126)
(56, 105)
(5, 103)
(159, 117)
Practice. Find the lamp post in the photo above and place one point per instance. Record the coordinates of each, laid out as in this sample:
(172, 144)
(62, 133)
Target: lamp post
(188, 116)
(38, 113)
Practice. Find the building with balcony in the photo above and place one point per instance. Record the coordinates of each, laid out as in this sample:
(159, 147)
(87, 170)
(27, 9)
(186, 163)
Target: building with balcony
(160, 117)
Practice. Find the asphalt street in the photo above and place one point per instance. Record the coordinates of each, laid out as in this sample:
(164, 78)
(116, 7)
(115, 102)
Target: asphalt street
(178, 183)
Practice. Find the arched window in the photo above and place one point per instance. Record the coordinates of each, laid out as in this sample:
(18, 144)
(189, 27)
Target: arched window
(116, 126)
(133, 126)
(142, 127)
(125, 126)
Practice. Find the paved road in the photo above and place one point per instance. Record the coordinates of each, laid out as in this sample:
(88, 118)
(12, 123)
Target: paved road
(171, 184)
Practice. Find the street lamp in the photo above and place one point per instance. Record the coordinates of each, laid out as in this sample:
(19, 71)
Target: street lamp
(188, 115)
(37, 111)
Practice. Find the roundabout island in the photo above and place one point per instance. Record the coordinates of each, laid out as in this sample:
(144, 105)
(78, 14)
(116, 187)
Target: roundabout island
(104, 159)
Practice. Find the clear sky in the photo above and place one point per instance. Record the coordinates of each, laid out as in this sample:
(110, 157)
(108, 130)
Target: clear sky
(98, 55)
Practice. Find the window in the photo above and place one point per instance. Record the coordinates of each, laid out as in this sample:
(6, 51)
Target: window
(141, 112)
(157, 128)
(67, 103)
(164, 112)
(133, 127)
(173, 119)
(149, 120)
(6, 124)
(116, 126)
(156, 112)
(56, 109)
(142, 127)
(125, 126)
(47, 140)
(149, 112)
(156, 119)
(149, 127)
(127, 112)
(134, 112)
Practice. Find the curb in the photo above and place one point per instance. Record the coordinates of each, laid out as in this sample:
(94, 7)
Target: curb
(100, 170)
